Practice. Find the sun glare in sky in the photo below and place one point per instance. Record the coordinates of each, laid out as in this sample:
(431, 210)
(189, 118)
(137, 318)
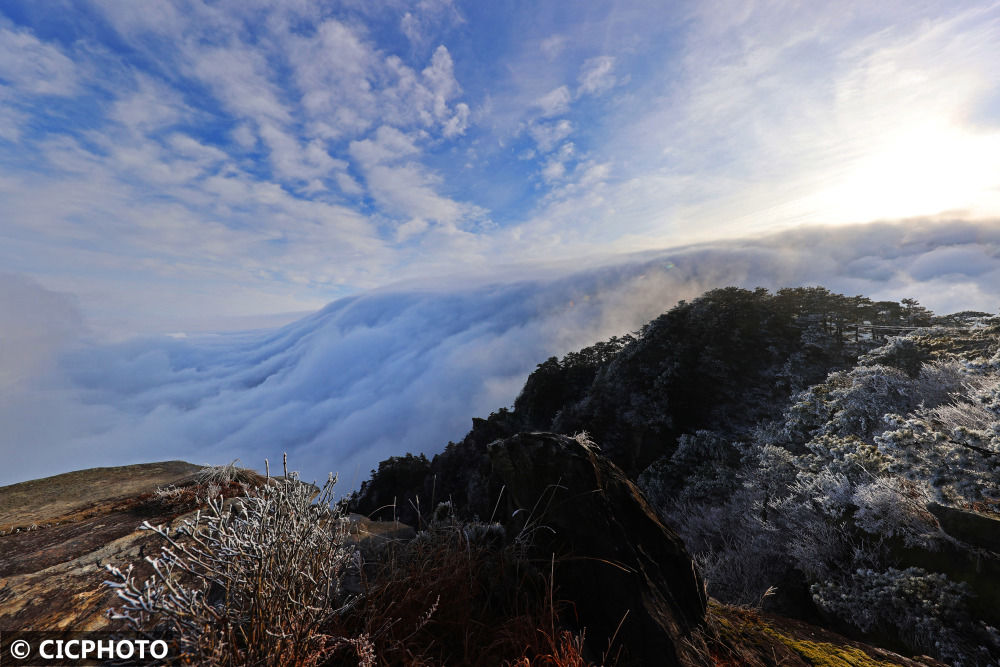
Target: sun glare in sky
(921, 168)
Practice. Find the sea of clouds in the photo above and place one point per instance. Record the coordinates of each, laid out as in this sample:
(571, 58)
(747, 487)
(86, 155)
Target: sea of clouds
(405, 368)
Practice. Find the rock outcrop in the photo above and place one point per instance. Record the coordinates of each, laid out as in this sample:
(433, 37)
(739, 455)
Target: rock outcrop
(628, 575)
(58, 532)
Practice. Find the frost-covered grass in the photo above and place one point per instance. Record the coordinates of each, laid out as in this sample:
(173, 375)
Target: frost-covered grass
(274, 577)
(226, 474)
(251, 580)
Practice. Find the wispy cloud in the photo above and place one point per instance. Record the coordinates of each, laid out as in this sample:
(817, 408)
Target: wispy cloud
(597, 76)
(555, 102)
(31, 66)
(277, 156)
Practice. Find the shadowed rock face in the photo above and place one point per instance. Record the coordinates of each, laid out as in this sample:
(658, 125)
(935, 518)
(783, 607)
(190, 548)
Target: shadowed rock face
(60, 531)
(613, 554)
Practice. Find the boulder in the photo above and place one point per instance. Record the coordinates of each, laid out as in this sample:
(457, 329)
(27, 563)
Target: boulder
(976, 529)
(628, 575)
(57, 533)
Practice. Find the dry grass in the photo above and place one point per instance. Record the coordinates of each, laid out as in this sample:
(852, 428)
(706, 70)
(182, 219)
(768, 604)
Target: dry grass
(740, 636)
(238, 585)
(228, 474)
(733, 637)
(449, 598)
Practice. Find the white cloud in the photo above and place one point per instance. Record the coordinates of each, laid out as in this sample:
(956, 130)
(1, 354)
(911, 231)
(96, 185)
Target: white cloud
(147, 189)
(593, 174)
(388, 145)
(335, 70)
(548, 134)
(420, 100)
(348, 185)
(555, 167)
(778, 117)
(162, 18)
(149, 106)
(553, 170)
(339, 390)
(36, 324)
(409, 190)
(555, 102)
(241, 79)
(427, 16)
(597, 76)
(457, 124)
(36, 67)
(440, 76)
(244, 136)
(565, 152)
(757, 118)
(185, 219)
(405, 189)
(11, 120)
(293, 161)
(347, 84)
(411, 228)
(193, 149)
(410, 25)
(552, 46)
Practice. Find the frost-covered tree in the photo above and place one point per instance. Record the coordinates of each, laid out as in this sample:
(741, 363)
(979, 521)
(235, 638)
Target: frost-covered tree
(839, 491)
(953, 449)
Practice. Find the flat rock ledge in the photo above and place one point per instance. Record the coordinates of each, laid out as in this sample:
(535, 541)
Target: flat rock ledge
(57, 533)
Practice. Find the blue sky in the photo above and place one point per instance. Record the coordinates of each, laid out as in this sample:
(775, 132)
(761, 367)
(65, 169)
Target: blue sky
(185, 165)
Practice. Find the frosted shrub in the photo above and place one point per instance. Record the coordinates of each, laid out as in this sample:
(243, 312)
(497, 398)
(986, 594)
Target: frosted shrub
(926, 610)
(702, 469)
(810, 534)
(826, 492)
(953, 446)
(854, 403)
(169, 492)
(940, 381)
(887, 507)
(869, 393)
(848, 455)
(899, 352)
(253, 580)
(226, 474)
(961, 466)
(962, 414)
(736, 553)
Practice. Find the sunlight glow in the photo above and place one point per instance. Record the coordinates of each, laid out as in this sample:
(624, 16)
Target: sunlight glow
(923, 168)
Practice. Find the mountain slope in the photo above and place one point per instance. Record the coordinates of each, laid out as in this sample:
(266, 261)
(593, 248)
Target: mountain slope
(795, 441)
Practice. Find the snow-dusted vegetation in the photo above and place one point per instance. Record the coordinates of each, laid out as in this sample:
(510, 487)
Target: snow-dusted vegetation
(254, 580)
(831, 458)
(853, 491)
